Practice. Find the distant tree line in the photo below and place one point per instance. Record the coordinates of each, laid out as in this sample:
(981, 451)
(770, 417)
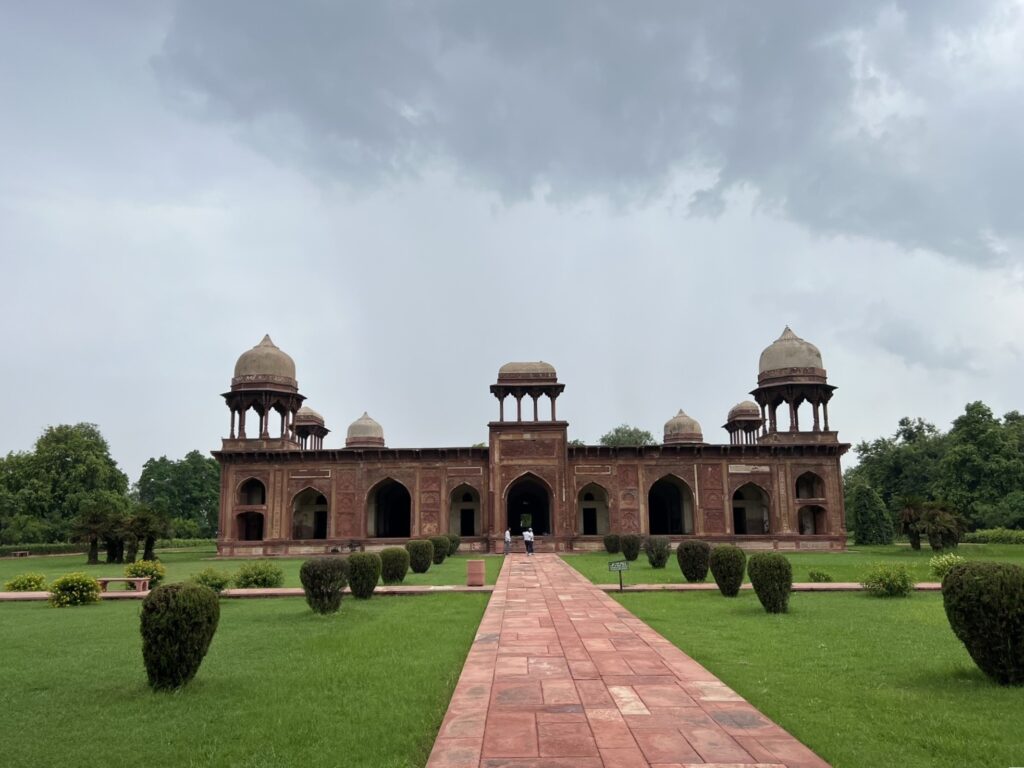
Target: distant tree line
(69, 489)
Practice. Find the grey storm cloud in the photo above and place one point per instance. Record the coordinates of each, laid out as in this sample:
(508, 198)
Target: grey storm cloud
(894, 121)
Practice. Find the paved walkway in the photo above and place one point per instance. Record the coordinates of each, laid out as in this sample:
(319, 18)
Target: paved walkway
(562, 676)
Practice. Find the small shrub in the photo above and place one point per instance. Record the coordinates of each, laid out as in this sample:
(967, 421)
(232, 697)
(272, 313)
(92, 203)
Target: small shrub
(693, 560)
(177, 626)
(820, 577)
(657, 549)
(440, 548)
(421, 555)
(984, 603)
(363, 573)
(940, 565)
(323, 580)
(74, 589)
(888, 580)
(630, 544)
(771, 576)
(995, 536)
(216, 580)
(152, 568)
(612, 543)
(26, 582)
(727, 564)
(259, 574)
(453, 543)
(394, 564)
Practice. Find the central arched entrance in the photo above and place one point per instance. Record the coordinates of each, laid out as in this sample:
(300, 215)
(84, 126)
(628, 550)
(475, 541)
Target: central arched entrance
(389, 512)
(528, 505)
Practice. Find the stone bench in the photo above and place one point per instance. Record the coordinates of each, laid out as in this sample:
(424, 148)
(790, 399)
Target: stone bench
(141, 583)
(20, 553)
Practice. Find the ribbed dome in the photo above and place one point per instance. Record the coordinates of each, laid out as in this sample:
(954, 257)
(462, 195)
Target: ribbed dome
(265, 363)
(747, 410)
(537, 370)
(682, 429)
(364, 432)
(790, 351)
(305, 413)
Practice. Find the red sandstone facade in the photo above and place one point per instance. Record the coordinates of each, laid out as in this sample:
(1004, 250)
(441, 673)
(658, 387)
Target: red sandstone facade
(769, 488)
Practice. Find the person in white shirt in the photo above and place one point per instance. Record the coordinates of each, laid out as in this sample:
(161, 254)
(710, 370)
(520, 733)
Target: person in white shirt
(508, 540)
(528, 539)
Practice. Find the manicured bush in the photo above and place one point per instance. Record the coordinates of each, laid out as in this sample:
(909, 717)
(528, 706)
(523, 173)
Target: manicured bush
(216, 580)
(888, 580)
(26, 582)
(612, 543)
(394, 564)
(74, 589)
(693, 560)
(152, 568)
(940, 565)
(994, 536)
(323, 580)
(819, 577)
(421, 555)
(727, 564)
(178, 623)
(984, 603)
(259, 574)
(771, 576)
(453, 543)
(440, 548)
(657, 549)
(871, 521)
(363, 573)
(630, 543)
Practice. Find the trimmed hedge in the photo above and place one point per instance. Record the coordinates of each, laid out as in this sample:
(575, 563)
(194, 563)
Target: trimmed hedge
(216, 580)
(323, 580)
(259, 574)
(984, 604)
(771, 576)
(630, 546)
(152, 568)
(612, 543)
(992, 536)
(657, 549)
(363, 573)
(441, 544)
(74, 589)
(177, 625)
(453, 543)
(394, 564)
(693, 558)
(819, 577)
(43, 549)
(421, 554)
(727, 564)
(26, 582)
(888, 580)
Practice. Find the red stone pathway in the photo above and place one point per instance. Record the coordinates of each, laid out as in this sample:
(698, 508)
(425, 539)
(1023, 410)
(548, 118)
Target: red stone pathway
(562, 676)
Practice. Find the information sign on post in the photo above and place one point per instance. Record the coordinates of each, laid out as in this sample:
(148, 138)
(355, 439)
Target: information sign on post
(620, 566)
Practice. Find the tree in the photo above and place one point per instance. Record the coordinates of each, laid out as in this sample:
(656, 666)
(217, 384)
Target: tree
(872, 523)
(186, 492)
(99, 515)
(625, 435)
(576, 443)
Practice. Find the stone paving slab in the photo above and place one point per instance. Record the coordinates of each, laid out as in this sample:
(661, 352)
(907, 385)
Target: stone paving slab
(268, 592)
(803, 586)
(562, 676)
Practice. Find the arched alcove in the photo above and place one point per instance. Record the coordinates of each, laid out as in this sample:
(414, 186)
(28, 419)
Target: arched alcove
(464, 511)
(309, 515)
(528, 505)
(750, 511)
(670, 507)
(389, 511)
(813, 520)
(810, 486)
(592, 510)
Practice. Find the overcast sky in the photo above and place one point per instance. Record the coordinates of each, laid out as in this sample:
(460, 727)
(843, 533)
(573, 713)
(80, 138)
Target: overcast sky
(407, 195)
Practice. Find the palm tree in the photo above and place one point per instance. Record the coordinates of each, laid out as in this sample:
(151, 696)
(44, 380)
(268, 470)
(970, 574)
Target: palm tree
(910, 519)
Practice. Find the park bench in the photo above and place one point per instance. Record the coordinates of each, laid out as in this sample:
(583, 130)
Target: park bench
(141, 583)
(20, 553)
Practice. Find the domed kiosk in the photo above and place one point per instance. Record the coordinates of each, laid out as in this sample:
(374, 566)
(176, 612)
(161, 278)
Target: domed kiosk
(743, 423)
(791, 373)
(264, 382)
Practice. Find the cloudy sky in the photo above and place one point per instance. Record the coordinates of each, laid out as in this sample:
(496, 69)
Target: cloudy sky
(407, 195)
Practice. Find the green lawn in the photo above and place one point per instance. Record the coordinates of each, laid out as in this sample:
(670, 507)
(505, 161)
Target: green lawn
(842, 566)
(181, 564)
(865, 682)
(280, 686)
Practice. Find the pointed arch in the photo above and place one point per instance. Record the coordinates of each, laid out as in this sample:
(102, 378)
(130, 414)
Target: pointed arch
(810, 486)
(252, 492)
(389, 510)
(592, 510)
(310, 514)
(249, 526)
(812, 520)
(670, 506)
(751, 511)
(464, 511)
(528, 503)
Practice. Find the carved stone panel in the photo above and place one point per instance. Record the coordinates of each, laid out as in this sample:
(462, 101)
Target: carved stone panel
(529, 449)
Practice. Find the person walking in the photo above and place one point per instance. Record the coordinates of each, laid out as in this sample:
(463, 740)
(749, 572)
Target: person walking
(529, 541)
(508, 540)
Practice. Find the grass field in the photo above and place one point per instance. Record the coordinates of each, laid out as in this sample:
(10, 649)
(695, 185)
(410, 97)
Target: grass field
(842, 566)
(865, 682)
(280, 686)
(182, 564)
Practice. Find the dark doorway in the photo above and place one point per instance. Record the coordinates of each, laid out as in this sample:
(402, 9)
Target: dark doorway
(392, 511)
(466, 522)
(665, 508)
(528, 507)
(250, 526)
(320, 524)
(589, 521)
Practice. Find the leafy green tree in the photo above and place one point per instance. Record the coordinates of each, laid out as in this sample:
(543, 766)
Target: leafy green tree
(99, 515)
(187, 491)
(576, 443)
(625, 435)
(872, 522)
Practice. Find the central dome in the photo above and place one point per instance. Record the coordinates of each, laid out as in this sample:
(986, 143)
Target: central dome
(539, 371)
(790, 351)
(264, 364)
(364, 432)
(682, 429)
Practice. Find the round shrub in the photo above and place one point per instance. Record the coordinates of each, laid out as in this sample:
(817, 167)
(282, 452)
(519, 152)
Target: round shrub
(323, 580)
(74, 589)
(819, 577)
(154, 569)
(940, 565)
(440, 548)
(453, 543)
(216, 580)
(727, 564)
(178, 622)
(26, 582)
(421, 555)
(612, 543)
(888, 580)
(259, 574)
(630, 543)
(984, 603)
(363, 573)
(657, 549)
(394, 564)
(693, 559)
(771, 575)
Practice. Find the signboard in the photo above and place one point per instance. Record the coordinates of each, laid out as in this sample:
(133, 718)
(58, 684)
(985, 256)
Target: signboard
(618, 565)
(747, 469)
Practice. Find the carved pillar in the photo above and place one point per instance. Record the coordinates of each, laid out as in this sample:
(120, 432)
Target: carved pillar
(232, 433)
